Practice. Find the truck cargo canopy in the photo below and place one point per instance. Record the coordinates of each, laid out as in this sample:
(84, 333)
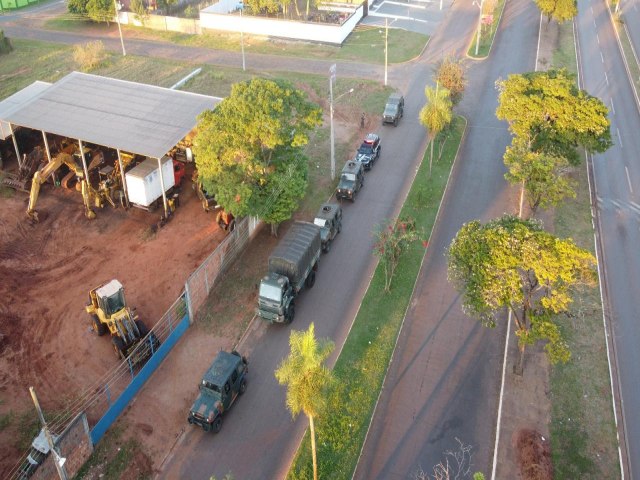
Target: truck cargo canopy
(128, 116)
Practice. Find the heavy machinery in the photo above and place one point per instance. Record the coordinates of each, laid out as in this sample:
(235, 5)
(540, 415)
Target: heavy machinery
(109, 313)
(88, 194)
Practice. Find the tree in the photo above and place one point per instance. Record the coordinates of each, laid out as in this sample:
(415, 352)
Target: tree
(101, 10)
(560, 10)
(514, 263)
(450, 73)
(139, 8)
(548, 112)
(436, 114)
(78, 7)
(165, 5)
(264, 6)
(392, 240)
(541, 175)
(307, 379)
(249, 149)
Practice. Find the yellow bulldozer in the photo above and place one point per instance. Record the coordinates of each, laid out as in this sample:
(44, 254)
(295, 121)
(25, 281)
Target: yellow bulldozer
(109, 313)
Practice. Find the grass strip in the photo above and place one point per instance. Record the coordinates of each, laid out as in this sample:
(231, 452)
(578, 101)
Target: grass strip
(583, 434)
(627, 50)
(487, 33)
(365, 357)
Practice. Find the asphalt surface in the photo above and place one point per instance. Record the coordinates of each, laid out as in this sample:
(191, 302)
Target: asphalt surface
(616, 176)
(444, 379)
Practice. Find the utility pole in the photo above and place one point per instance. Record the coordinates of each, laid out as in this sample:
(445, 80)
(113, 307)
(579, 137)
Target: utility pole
(332, 76)
(242, 38)
(386, 48)
(57, 460)
(479, 25)
(118, 7)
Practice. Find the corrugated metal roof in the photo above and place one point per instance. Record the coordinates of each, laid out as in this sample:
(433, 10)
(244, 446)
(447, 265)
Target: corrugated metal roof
(128, 116)
(15, 101)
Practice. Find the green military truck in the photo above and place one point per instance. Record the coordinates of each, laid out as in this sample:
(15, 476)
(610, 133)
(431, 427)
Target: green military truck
(351, 180)
(329, 219)
(222, 383)
(292, 265)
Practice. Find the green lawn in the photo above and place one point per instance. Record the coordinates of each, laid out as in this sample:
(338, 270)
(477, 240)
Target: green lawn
(583, 435)
(365, 357)
(487, 33)
(627, 50)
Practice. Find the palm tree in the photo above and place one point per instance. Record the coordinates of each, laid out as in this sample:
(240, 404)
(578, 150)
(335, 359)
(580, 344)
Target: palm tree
(306, 378)
(436, 114)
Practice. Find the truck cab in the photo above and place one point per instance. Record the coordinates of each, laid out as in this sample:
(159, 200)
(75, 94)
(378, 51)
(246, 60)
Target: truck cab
(275, 299)
(329, 219)
(351, 180)
(219, 388)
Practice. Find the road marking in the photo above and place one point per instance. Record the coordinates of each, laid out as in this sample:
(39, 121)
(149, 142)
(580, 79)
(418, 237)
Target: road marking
(635, 205)
(591, 10)
(612, 107)
(397, 17)
(620, 139)
(628, 178)
(405, 5)
(594, 24)
(601, 57)
(606, 78)
(598, 38)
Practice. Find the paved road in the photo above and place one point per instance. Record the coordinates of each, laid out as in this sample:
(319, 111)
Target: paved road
(617, 186)
(630, 10)
(446, 368)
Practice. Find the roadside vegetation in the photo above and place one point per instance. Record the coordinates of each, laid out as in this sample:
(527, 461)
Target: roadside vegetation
(627, 48)
(492, 14)
(363, 361)
(583, 435)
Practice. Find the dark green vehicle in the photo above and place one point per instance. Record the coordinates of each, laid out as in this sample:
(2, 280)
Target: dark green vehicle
(329, 219)
(221, 385)
(351, 180)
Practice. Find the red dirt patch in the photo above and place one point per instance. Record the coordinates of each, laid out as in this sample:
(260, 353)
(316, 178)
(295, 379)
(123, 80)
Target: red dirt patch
(534, 455)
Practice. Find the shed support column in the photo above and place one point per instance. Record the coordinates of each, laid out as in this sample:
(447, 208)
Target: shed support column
(124, 183)
(164, 195)
(46, 147)
(15, 144)
(84, 162)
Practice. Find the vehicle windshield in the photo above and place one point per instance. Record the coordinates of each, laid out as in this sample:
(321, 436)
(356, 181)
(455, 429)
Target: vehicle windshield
(390, 109)
(349, 177)
(365, 149)
(270, 292)
(114, 303)
(210, 388)
(321, 222)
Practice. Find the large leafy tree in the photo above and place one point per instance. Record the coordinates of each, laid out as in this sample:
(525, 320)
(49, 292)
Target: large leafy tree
(560, 10)
(307, 379)
(450, 73)
(548, 112)
(436, 114)
(79, 7)
(101, 10)
(514, 264)
(249, 150)
(543, 176)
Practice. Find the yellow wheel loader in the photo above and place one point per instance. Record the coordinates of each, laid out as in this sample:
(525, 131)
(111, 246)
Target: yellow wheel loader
(109, 313)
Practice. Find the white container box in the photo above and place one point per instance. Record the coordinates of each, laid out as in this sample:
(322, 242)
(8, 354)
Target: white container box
(143, 181)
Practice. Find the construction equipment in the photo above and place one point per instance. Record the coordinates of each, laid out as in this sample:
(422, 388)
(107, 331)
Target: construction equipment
(89, 195)
(109, 313)
(21, 179)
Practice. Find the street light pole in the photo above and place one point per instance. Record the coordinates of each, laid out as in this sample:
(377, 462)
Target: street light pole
(332, 76)
(242, 39)
(118, 7)
(386, 48)
(57, 460)
(479, 25)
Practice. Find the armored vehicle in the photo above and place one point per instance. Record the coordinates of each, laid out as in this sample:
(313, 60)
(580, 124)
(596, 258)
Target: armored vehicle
(292, 265)
(219, 388)
(351, 180)
(329, 219)
(394, 109)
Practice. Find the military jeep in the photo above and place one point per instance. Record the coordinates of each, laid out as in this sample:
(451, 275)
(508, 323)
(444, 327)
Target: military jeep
(219, 388)
(393, 110)
(329, 219)
(351, 180)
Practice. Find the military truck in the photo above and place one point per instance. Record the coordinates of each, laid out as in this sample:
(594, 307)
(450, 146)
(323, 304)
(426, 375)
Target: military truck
(394, 109)
(351, 180)
(329, 219)
(220, 386)
(292, 265)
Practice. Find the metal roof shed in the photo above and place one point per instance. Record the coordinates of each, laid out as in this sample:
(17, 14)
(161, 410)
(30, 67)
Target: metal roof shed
(15, 101)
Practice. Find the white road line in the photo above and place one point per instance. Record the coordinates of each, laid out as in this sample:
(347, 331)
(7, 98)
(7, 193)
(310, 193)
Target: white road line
(612, 107)
(628, 178)
(397, 17)
(606, 78)
(598, 38)
(594, 23)
(635, 205)
(591, 10)
(404, 4)
(616, 204)
(620, 139)
(601, 57)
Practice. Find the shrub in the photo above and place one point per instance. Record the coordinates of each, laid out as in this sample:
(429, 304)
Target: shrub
(89, 56)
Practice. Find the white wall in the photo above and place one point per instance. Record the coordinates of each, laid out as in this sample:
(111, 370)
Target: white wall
(315, 32)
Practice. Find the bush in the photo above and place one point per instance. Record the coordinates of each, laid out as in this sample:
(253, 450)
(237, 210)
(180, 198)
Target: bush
(89, 56)
(5, 44)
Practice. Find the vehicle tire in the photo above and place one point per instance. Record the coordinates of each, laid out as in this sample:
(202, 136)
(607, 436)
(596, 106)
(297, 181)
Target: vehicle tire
(118, 347)
(190, 420)
(311, 279)
(395, 122)
(243, 387)
(99, 327)
(327, 247)
(217, 424)
(291, 313)
(339, 227)
(206, 427)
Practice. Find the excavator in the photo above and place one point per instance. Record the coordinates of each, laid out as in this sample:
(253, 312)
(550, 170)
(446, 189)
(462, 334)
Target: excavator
(41, 176)
(109, 313)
